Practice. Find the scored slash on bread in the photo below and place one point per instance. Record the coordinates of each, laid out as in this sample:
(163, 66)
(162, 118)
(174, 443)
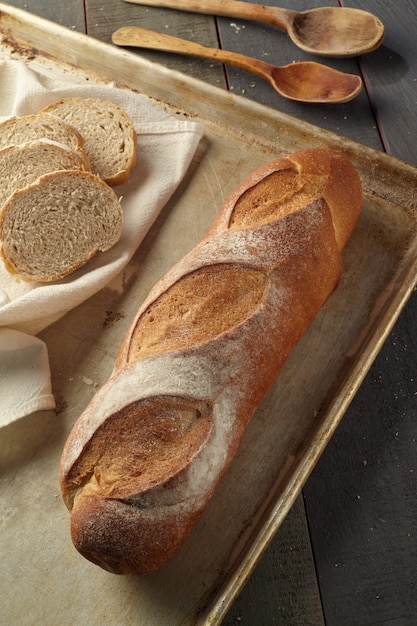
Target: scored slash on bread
(55, 225)
(108, 132)
(146, 456)
(22, 164)
(17, 130)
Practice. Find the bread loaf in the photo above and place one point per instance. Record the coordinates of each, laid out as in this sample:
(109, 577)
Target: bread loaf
(17, 130)
(58, 223)
(109, 134)
(145, 457)
(21, 165)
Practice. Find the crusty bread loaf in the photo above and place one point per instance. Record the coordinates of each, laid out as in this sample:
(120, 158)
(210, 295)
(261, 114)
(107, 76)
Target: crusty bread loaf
(109, 134)
(21, 165)
(58, 223)
(27, 128)
(145, 457)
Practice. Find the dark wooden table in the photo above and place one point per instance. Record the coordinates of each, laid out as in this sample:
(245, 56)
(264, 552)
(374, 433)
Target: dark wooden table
(347, 552)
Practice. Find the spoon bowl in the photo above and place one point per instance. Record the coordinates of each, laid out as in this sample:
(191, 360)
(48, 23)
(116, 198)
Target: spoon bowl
(326, 31)
(305, 81)
(312, 82)
(335, 31)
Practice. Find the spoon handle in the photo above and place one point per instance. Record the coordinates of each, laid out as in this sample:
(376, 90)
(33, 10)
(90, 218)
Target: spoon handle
(228, 8)
(143, 38)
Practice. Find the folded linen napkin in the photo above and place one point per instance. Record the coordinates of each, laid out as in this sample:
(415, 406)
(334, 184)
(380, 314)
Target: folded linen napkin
(165, 144)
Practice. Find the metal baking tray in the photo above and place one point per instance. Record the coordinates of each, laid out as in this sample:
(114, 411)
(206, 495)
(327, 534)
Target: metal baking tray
(40, 571)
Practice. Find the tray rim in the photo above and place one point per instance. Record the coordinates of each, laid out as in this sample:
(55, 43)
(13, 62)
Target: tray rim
(297, 470)
(296, 473)
(234, 104)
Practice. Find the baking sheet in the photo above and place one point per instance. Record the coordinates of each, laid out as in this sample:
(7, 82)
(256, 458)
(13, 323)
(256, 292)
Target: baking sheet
(40, 571)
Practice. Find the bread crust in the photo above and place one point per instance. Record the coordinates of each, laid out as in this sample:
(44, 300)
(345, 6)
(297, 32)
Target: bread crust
(18, 130)
(145, 457)
(22, 164)
(110, 139)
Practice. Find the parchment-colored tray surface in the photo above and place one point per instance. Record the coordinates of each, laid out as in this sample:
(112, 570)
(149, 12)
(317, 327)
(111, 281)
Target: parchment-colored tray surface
(43, 579)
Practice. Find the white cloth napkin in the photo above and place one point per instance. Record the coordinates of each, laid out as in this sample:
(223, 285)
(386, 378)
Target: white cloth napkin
(165, 149)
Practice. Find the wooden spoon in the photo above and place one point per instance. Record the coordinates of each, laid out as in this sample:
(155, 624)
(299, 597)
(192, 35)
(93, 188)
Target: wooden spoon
(305, 81)
(327, 31)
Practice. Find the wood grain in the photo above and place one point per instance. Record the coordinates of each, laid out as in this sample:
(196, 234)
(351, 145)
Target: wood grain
(361, 499)
(354, 119)
(69, 13)
(103, 18)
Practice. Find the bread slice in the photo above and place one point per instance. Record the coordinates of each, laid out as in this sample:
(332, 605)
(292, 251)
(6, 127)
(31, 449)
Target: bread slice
(26, 128)
(22, 165)
(55, 225)
(110, 137)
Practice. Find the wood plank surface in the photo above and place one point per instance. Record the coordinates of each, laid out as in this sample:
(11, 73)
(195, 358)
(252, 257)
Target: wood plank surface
(353, 119)
(103, 18)
(346, 553)
(361, 499)
(69, 13)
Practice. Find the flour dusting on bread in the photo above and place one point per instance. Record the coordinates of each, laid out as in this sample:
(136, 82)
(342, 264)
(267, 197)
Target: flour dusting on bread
(209, 340)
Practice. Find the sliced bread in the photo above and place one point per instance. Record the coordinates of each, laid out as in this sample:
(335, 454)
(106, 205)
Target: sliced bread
(22, 165)
(109, 134)
(26, 128)
(55, 225)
